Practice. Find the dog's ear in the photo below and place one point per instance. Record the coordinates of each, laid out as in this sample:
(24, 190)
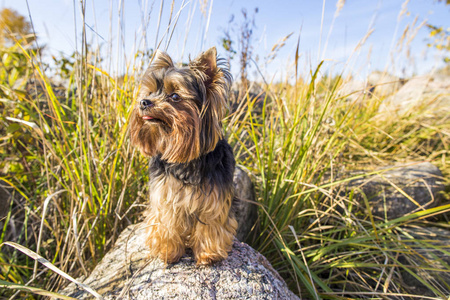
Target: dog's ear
(161, 60)
(207, 64)
(216, 80)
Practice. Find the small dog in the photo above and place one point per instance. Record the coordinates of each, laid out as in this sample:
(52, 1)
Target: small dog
(177, 122)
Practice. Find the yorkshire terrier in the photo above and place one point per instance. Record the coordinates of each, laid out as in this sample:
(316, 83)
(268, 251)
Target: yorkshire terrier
(177, 121)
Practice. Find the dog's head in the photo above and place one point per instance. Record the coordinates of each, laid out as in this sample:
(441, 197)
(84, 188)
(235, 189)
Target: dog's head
(178, 111)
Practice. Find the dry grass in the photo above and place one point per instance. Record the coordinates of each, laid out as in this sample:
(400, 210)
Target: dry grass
(78, 182)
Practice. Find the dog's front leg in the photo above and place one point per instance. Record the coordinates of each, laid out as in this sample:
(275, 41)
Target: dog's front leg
(164, 237)
(213, 234)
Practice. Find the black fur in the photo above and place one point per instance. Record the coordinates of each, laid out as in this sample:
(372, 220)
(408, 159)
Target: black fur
(213, 169)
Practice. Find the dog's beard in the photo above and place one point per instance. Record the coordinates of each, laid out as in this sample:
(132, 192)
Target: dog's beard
(146, 135)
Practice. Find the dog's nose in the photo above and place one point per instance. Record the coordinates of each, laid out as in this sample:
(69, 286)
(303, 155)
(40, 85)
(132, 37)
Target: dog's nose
(145, 103)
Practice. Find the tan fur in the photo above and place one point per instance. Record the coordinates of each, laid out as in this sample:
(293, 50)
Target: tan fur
(181, 217)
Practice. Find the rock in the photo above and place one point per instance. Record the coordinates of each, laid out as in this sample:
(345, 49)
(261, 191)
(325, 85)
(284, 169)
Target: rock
(239, 97)
(422, 182)
(429, 90)
(247, 211)
(429, 248)
(126, 273)
(383, 84)
(254, 90)
(354, 90)
(380, 84)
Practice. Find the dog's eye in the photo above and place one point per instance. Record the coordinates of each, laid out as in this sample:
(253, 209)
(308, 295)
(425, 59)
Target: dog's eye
(175, 97)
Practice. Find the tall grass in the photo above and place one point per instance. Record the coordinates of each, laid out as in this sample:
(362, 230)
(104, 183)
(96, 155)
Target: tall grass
(75, 148)
(78, 182)
(314, 234)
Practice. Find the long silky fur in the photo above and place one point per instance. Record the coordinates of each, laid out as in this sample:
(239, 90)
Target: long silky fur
(192, 165)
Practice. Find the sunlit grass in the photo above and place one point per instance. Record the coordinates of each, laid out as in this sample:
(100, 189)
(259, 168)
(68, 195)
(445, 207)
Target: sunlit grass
(318, 238)
(78, 182)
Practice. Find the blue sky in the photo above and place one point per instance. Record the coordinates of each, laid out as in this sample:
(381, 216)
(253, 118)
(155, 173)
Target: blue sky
(59, 25)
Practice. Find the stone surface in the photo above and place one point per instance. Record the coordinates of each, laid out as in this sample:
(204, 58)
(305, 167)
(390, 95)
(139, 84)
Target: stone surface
(246, 214)
(418, 90)
(383, 84)
(379, 84)
(354, 90)
(386, 191)
(126, 273)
